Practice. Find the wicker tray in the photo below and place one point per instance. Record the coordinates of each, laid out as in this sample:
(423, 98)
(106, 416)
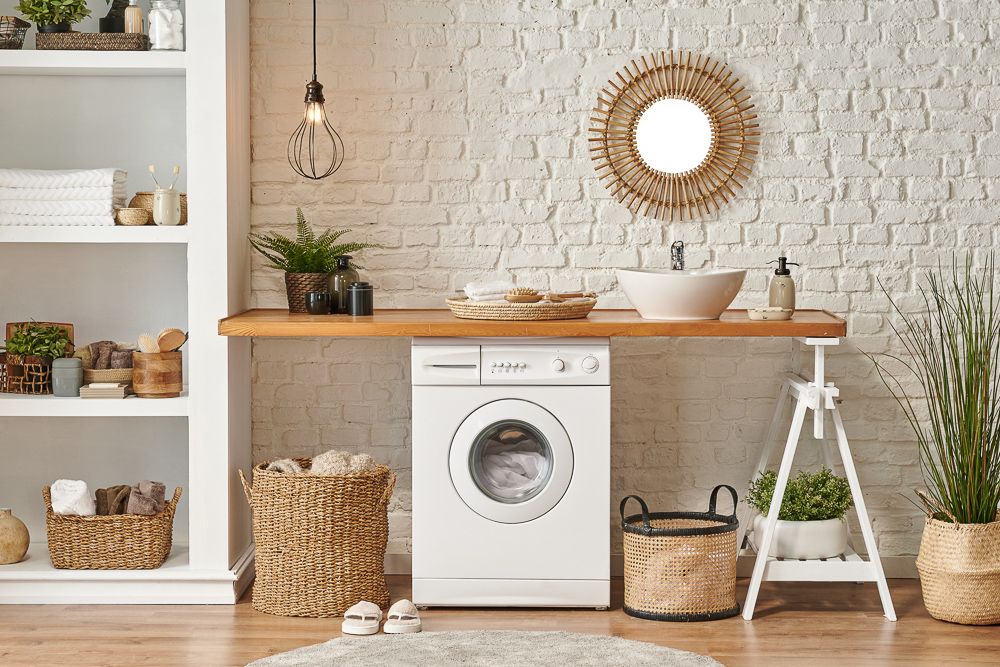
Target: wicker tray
(118, 542)
(91, 41)
(107, 375)
(542, 310)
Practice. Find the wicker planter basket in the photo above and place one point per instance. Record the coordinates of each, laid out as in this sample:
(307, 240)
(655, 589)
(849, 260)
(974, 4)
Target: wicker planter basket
(680, 566)
(12, 31)
(320, 540)
(959, 566)
(119, 542)
(297, 285)
(542, 310)
(28, 374)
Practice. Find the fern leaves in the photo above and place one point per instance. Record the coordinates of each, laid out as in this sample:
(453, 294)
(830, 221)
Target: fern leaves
(307, 253)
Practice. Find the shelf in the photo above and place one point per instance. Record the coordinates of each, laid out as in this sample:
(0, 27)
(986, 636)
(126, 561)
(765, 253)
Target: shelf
(440, 322)
(117, 234)
(18, 405)
(35, 581)
(849, 566)
(92, 63)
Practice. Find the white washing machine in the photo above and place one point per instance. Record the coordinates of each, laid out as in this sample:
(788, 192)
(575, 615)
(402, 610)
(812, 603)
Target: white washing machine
(511, 472)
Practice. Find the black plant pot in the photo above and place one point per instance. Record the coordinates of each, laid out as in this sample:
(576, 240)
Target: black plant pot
(112, 24)
(53, 27)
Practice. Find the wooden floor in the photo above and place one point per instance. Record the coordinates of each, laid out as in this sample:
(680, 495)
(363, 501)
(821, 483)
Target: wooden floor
(796, 624)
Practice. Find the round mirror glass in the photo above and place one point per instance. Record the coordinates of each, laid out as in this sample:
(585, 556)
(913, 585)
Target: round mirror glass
(673, 136)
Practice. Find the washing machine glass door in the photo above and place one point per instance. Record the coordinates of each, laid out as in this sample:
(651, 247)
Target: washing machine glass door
(511, 461)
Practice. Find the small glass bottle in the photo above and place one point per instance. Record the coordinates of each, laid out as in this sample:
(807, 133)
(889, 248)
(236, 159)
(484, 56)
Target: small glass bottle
(340, 280)
(166, 26)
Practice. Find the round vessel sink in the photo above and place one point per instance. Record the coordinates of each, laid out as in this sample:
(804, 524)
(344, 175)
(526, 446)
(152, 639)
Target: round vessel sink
(696, 294)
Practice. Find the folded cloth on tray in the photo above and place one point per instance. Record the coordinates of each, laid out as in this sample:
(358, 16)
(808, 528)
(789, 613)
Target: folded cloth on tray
(15, 220)
(86, 193)
(58, 208)
(61, 178)
(490, 288)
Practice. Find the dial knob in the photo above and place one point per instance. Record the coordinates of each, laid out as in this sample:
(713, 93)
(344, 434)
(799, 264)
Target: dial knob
(590, 364)
(558, 365)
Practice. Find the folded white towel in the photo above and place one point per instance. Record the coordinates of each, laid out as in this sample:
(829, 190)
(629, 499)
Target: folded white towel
(71, 496)
(100, 193)
(61, 178)
(15, 220)
(488, 297)
(491, 287)
(63, 208)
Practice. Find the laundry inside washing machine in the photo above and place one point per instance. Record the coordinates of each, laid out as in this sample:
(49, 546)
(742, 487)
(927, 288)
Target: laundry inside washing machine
(511, 461)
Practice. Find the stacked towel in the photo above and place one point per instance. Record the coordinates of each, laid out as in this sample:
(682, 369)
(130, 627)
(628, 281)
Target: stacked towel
(147, 498)
(74, 197)
(493, 290)
(71, 496)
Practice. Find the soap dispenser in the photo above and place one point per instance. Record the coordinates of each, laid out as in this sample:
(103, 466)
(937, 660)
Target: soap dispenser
(782, 291)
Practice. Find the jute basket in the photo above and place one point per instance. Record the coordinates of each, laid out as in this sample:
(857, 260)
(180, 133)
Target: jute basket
(91, 41)
(107, 375)
(680, 566)
(320, 540)
(118, 542)
(542, 310)
(297, 285)
(133, 217)
(959, 566)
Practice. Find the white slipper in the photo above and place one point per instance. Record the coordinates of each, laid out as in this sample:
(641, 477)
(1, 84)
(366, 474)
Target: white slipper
(403, 618)
(361, 619)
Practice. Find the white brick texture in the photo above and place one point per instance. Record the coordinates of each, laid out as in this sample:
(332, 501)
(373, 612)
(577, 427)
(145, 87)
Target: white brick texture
(465, 125)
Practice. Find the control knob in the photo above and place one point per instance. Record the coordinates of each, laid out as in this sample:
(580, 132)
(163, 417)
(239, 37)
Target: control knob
(558, 365)
(590, 364)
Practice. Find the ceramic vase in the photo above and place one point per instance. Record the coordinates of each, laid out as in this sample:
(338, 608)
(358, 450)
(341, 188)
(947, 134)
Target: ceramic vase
(14, 538)
(805, 539)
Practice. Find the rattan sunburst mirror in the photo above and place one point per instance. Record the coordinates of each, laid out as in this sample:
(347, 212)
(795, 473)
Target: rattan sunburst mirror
(674, 135)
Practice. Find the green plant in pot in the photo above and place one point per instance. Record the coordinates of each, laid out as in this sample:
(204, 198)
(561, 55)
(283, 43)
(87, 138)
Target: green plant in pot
(34, 344)
(811, 522)
(54, 15)
(307, 260)
(947, 382)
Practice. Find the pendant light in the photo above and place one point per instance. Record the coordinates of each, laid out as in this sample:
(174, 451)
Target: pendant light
(315, 150)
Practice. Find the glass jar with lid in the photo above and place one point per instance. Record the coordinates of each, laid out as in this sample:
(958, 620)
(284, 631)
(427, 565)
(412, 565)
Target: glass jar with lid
(166, 26)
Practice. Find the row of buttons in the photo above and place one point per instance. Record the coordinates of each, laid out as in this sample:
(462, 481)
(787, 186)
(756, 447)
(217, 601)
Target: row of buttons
(508, 364)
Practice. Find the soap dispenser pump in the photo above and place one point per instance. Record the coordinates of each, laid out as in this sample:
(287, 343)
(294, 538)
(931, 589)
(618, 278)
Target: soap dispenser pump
(782, 291)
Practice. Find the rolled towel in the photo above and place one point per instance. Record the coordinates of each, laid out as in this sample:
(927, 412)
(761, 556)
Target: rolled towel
(488, 288)
(284, 465)
(360, 463)
(140, 504)
(333, 462)
(113, 193)
(113, 500)
(72, 497)
(61, 178)
(155, 490)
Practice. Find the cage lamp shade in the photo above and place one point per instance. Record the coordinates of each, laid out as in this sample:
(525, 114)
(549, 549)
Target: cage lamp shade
(315, 149)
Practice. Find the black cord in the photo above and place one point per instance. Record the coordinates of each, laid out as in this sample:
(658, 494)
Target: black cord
(314, 40)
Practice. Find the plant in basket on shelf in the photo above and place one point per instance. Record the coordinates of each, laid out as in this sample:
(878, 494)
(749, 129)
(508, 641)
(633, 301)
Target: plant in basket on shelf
(811, 522)
(38, 340)
(54, 15)
(951, 398)
(307, 260)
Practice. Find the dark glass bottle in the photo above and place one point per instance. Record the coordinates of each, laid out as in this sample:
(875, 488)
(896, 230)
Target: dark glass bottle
(340, 280)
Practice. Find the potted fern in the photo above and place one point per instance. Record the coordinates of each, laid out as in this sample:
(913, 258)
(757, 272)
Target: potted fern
(947, 382)
(307, 260)
(811, 521)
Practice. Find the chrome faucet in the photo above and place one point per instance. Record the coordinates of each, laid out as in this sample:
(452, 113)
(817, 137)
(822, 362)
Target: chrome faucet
(677, 256)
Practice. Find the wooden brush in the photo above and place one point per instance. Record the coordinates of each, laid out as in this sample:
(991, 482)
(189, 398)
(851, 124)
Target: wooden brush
(148, 344)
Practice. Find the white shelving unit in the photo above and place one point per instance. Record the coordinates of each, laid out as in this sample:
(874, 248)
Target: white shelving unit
(200, 269)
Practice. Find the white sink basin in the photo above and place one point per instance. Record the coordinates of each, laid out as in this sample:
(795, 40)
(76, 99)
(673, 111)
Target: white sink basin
(696, 294)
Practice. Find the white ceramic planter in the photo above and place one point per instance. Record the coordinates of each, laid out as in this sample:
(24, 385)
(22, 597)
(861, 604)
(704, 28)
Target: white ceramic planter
(805, 539)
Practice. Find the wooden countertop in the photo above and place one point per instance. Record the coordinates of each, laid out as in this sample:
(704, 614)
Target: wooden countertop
(440, 322)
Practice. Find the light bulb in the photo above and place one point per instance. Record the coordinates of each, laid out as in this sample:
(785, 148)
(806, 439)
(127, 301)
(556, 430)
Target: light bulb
(315, 150)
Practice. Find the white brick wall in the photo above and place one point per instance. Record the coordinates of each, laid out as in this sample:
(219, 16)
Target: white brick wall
(465, 126)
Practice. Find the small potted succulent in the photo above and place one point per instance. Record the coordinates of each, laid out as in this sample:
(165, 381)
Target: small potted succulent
(811, 522)
(307, 260)
(54, 15)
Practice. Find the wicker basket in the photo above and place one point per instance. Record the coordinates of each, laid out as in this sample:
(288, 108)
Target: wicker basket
(680, 566)
(297, 285)
(132, 217)
(119, 542)
(3, 372)
(320, 540)
(541, 310)
(91, 41)
(28, 374)
(145, 200)
(959, 566)
(12, 31)
(107, 375)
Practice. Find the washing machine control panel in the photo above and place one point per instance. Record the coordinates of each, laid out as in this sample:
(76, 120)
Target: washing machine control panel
(546, 365)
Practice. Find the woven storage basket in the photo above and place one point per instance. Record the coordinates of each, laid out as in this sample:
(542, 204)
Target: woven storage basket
(119, 542)
(28, 374)
(133, 217)
(959, 566)
(320, 540)
(145, 200)
(297, 285)
(680, 566)
(541, 310)
(107, 375)
(91, 41)
(12, 31)
(3, 372)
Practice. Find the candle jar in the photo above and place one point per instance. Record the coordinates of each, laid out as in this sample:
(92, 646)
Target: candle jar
(166, 26)
(67, 376)
(166, 207)
(360, 299)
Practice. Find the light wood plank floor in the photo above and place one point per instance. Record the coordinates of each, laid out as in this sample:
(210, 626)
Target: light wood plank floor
(796, 624)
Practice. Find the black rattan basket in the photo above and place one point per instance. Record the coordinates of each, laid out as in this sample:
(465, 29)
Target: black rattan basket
(12, 31)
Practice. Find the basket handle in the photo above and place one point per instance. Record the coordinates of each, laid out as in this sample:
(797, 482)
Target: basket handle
(645, 511)
(715, 495)
(247, 489)
(387, 494)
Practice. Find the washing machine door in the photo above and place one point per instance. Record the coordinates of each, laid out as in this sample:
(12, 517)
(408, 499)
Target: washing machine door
(511, 461)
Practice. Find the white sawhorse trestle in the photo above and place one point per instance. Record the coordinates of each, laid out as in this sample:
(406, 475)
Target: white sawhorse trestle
(820, 397)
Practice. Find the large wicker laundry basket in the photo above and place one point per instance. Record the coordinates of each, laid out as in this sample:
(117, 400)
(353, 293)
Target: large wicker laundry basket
(680, 566)
(320, 540)
(959, 566)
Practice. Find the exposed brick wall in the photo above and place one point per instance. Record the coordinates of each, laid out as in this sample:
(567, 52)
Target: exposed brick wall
(465, 127)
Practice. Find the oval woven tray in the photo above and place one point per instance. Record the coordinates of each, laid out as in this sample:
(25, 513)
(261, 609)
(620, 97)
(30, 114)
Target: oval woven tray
(542, 310)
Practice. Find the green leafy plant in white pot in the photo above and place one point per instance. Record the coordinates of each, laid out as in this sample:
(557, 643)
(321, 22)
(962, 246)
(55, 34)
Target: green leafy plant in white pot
(54, 15)
(947, 382)
(811, 521)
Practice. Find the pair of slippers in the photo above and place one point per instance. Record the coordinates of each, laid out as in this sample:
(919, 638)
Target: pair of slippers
(365, 617)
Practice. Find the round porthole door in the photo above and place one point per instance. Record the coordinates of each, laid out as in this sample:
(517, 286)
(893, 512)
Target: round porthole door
(511, 461)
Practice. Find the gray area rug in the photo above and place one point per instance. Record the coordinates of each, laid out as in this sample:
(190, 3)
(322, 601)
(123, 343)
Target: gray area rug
(486, 649)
